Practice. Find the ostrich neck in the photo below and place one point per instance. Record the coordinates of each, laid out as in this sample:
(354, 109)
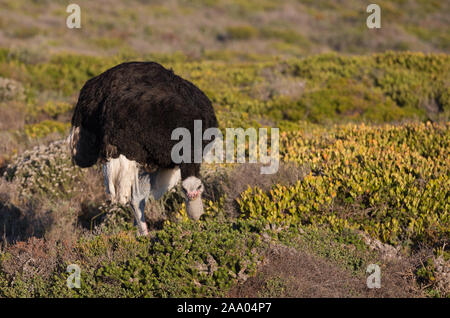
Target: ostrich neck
(194, 208)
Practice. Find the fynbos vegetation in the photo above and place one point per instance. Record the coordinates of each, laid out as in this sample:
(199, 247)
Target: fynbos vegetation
(364, 150)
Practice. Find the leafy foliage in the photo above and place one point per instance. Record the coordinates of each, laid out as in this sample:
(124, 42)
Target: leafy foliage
(185, 259)
(391, 182)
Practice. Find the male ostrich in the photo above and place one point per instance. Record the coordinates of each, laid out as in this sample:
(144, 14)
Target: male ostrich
(124, 118)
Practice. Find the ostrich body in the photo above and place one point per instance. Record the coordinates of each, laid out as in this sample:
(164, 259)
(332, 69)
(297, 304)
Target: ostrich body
(124, 118)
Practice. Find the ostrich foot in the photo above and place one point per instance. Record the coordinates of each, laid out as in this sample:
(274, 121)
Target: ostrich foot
(143, 232)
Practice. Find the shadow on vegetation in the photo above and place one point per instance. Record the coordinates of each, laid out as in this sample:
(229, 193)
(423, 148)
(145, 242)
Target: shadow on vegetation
(22, 223)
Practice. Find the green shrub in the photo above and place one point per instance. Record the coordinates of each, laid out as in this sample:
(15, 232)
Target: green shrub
(285, 35)
(242, 32)
(45, 128)
(185, 259)
(51, 109)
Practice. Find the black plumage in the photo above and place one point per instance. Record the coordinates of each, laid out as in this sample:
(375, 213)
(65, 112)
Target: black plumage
(132, 109)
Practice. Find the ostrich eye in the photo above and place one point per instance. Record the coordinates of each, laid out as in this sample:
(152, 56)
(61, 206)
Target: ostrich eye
(198, 188)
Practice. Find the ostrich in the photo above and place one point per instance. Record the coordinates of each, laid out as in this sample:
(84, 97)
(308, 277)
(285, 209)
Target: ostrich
(124, 119)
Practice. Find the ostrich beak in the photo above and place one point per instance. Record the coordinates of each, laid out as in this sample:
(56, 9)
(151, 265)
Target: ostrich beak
(193, 195)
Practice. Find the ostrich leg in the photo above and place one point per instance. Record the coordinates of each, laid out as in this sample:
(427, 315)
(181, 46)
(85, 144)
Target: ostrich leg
(156, 183)
(139, 194)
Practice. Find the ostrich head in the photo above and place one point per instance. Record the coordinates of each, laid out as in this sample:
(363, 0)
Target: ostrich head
(193, 188)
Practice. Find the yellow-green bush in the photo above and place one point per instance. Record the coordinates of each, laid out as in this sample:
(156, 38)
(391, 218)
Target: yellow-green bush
(242, 32)
(50, 109)
(46, 127)
(390, 181)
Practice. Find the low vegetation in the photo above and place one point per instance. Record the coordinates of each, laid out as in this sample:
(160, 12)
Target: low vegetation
(359, 181)
(364, 149)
